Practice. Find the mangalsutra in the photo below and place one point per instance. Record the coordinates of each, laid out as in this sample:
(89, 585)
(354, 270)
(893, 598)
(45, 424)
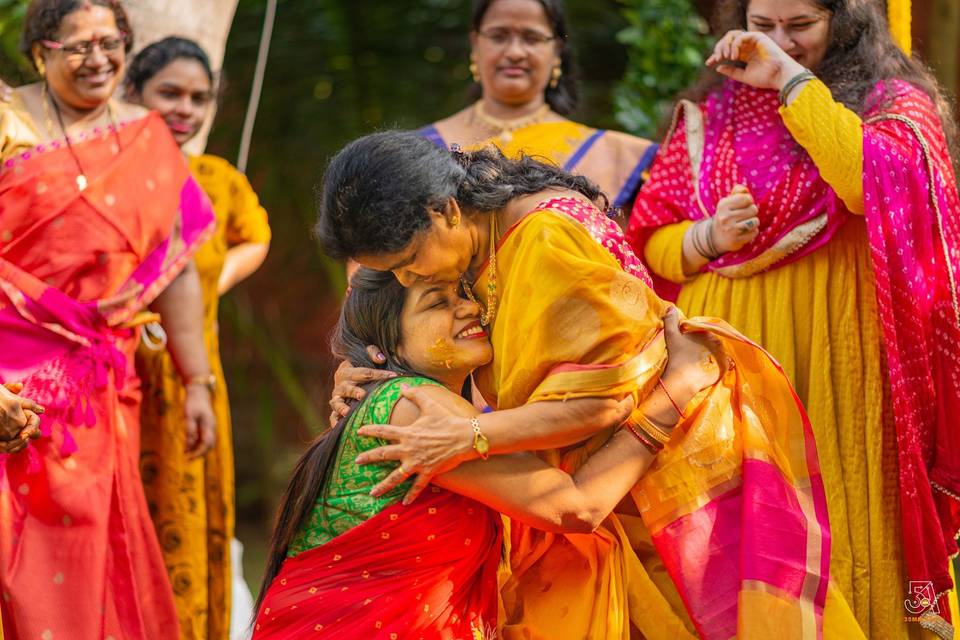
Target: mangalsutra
(505, 128)
(81, 179)
(487, 314)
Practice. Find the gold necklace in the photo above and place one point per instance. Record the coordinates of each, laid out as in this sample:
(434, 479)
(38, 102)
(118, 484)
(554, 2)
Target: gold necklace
(487, 314)
(81, 179)
(505, 128)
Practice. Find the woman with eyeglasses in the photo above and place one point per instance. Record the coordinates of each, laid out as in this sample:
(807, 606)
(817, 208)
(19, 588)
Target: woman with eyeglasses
(99, 218)
(526, 89)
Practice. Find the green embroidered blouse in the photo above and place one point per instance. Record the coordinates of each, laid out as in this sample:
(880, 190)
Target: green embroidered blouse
(347, 501)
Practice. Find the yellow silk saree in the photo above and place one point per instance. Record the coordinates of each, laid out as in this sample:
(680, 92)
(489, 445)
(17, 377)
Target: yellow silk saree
(734, 505)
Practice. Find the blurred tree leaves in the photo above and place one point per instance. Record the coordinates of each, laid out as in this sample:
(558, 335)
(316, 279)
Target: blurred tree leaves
(13, 67)
(666, 43)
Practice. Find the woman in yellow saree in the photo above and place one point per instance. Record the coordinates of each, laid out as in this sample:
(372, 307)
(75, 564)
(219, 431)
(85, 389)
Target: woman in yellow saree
(734, 500)
(525, 89)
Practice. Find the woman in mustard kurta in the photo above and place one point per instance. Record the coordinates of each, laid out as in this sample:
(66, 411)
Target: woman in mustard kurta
(757, 210)
(192, 499)
(525, 91)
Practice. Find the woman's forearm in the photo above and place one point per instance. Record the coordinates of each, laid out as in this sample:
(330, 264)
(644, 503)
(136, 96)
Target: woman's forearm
(240, 263)
(832, 135)
(181, 311)
(525, 488)
(561, 423)
(550, 425)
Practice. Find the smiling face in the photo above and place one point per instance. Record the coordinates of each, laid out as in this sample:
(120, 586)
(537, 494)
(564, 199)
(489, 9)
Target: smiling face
(440, 253)
(182, 93)
(800, 27)
(85, 81)
(440, 333)
(515, 51)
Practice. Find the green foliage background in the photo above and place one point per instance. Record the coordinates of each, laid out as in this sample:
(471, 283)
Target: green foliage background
(339, 69)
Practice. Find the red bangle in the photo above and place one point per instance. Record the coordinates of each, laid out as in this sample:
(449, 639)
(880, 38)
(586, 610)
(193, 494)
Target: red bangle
(670, 398)
(649, 443)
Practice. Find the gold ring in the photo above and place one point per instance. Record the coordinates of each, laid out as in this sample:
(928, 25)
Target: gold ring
(403, 471)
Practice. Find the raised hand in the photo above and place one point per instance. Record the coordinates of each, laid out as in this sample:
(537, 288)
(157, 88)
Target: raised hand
(735, 223)
(753, 58)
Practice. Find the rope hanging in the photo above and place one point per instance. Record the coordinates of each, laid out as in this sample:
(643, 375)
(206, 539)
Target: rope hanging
(259, 73)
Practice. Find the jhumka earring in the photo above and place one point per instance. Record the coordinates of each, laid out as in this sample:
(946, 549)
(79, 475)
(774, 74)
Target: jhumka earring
(475, 72)
(555, 77)
(41, 68)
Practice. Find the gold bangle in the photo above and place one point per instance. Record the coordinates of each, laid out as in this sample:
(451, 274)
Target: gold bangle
(648, 427)
(207, 380)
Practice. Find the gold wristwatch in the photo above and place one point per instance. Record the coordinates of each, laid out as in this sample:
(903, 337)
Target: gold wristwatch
(480, 443)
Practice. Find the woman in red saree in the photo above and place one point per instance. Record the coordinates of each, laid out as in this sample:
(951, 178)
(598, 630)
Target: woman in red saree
(348, 564)
(99, 217)
(825, 226)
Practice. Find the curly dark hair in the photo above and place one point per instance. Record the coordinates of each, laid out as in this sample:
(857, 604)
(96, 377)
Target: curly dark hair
(861, 53)
(155, 57)
(43, 19)
(566, 96)
(378, 190)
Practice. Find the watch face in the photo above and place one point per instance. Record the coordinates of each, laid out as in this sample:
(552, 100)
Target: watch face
(483, 446)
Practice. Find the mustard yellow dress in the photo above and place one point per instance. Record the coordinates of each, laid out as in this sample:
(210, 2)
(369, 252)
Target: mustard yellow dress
(192, 501)
(818, 316)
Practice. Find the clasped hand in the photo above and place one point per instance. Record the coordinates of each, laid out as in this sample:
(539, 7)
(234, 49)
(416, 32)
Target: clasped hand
(19, 418)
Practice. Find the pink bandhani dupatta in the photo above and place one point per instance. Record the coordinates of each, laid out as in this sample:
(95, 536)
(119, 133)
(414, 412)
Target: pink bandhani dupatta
(913, 222)
(737, 137)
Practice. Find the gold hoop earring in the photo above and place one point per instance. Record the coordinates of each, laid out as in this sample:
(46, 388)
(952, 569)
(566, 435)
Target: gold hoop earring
(475, 71)
(555, 77)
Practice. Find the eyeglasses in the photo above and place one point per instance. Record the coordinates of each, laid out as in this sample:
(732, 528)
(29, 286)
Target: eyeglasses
(82, 49)
(528, 38)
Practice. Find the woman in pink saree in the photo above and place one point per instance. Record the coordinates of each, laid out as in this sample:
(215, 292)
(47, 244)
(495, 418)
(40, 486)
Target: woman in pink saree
(99, 218)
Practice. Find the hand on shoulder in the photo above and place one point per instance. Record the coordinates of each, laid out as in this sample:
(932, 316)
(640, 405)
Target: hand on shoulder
(410, 405)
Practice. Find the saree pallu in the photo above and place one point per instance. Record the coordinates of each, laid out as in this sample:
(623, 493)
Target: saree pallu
(911, 210)
(617, 162)
(735, 504)
(78, 554)
(427, 571)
